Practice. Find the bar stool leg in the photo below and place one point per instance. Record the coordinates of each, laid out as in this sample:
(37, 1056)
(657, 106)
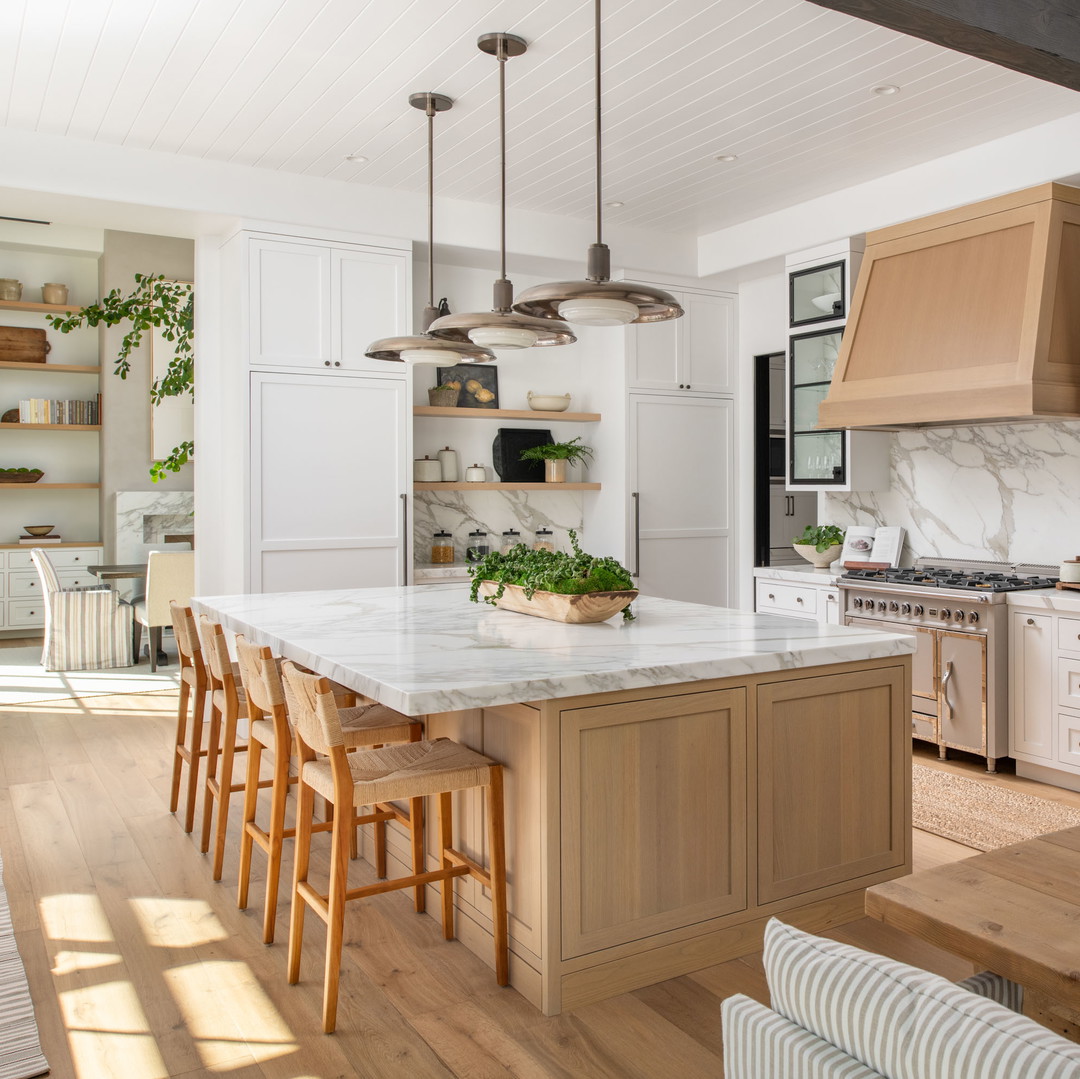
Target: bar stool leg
(335, 915)
(198, 711)
(251, 798)
(213, 745)
(228, 753)
(446, 841)
(416, 834)
(278, 797)
(305, 807)
(181, 742)
(497, 869)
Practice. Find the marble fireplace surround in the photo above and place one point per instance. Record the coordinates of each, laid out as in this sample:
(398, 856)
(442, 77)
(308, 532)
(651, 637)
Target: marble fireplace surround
(143, 518)
(1002, 492)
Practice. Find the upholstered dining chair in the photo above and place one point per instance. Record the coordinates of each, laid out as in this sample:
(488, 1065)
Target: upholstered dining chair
(86, 629)
(170, 576)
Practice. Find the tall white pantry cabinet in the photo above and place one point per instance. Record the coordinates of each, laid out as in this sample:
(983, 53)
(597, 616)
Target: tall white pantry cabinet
(313, 488)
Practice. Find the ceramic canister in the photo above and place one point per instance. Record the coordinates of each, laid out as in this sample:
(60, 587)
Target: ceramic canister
(448, 462)
(475, 474)
(426, 470)
(1070, 570)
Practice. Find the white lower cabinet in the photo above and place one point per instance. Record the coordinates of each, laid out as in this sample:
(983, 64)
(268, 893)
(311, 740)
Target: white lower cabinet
(814, 602)
(681, 453)
(328, 481)
(21, 605)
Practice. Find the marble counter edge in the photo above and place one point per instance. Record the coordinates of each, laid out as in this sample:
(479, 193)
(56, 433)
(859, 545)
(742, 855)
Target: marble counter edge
(820, 577)
(1046, 599)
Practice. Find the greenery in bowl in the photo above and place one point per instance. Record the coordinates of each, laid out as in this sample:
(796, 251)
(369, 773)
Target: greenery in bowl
(570, 451)
(821, 537)
(550, 571)
(10, 471)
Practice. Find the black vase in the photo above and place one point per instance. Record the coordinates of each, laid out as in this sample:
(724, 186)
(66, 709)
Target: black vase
(506, 454)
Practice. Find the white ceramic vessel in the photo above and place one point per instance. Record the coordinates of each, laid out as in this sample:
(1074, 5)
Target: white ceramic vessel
(548, 402)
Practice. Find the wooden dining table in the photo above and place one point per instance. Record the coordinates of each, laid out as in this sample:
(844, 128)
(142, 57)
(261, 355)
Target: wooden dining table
(1015, 911)
(124, 571)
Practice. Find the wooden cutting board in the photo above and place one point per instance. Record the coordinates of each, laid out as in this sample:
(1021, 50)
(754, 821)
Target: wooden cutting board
(1068, 584)
(20, 344)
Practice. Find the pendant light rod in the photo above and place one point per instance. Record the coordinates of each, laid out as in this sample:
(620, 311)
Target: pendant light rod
(431, 104)
(599, 126)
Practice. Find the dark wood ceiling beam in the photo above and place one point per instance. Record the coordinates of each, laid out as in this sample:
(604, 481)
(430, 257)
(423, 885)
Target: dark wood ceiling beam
(1036, 37)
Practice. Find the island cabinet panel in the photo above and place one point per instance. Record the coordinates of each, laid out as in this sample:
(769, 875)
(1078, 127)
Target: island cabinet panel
(653, 816)
(833, 780)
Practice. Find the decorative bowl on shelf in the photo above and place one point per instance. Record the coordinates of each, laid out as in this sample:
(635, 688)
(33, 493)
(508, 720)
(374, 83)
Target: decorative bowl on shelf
(818, 559)
(826, 303)
(548, 402)
(581, 609)
(38, 530)
(20, 475)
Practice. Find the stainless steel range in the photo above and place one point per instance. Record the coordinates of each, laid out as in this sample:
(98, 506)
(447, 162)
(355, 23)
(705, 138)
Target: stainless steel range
(958, 617)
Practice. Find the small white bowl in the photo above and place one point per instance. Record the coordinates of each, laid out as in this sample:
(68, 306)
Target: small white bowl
(548, 402)
(825, 303)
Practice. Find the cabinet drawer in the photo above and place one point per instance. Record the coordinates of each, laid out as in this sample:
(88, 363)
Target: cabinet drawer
(1068, 682)
(1068, 739)
(69, 557)
(785, 598)
(924, 727)
(1069, 634)
(25, 614)
(27, 583)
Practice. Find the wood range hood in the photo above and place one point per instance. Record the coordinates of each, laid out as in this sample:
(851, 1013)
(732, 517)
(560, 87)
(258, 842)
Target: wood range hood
(967, 316)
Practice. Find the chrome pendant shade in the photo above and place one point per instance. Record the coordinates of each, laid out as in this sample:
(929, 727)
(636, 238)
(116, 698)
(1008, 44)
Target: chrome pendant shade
(502, 327)
(598, 301)
(422, 347)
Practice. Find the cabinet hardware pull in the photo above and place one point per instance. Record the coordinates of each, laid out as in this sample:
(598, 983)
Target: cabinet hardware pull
(771, 596)
(337, 363)
(326, 363)
(831, 599)
(1030, 622)
(635, 495)
(404, 539)
(945, 679)
(798, 599)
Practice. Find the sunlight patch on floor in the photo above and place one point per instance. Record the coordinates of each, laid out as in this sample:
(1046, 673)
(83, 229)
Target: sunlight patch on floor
(70, 962)
(177, 923)
(109, 1033)
(75, 917)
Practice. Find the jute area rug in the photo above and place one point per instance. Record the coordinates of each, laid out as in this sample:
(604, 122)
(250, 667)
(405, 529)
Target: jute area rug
(20, 1050)
(980, 814)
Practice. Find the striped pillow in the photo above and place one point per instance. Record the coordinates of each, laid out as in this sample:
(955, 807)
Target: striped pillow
(902, 1021)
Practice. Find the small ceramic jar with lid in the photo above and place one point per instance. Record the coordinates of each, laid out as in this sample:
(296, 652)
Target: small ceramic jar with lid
(448, 463)
(10, 288)
(510, 539)
(478, 546)
(442, 547)
(544, 540)
(426, 470)
(1070, 570)
(54, 292)
(475, 474)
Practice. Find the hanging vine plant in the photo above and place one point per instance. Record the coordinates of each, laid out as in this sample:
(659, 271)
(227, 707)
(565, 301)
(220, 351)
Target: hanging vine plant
(155, 303)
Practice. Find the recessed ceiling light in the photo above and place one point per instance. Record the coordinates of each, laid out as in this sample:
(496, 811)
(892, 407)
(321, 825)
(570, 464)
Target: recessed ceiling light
(356, 157)
(727, 157)
(886, 89)
(614, 204)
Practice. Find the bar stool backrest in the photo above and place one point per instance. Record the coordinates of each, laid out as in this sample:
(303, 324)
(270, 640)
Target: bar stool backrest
(187, 636)
(312, 708)
(260, 675)
(216, 651)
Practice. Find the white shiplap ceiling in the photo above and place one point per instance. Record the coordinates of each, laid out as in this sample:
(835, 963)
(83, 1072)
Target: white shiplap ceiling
(295, 85)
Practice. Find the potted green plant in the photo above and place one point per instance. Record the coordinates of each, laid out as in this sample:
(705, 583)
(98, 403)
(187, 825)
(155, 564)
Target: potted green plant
(576, 587)
(556, 456)
(444, 396)
(820, 544)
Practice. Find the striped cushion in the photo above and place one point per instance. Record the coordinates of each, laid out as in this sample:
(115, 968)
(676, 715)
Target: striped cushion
(901, 1021)
(759, 1044)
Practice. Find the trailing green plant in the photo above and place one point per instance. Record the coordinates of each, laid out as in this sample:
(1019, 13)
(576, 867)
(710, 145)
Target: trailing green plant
(821, 536)
(570, 452)
(155, 302)
(550, 571)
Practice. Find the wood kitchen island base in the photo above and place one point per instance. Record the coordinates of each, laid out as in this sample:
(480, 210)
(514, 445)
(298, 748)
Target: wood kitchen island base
(652, 832)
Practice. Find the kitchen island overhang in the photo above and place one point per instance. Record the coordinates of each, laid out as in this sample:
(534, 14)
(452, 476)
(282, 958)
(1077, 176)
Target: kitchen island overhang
(671, 782)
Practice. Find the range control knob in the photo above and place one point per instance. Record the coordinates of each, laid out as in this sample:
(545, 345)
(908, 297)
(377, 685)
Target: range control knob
(973, 617)
(881, 605)
(905, 608)
(857, 603)
(918, 610)
(894, 606)
(959, 616)
(945, 615)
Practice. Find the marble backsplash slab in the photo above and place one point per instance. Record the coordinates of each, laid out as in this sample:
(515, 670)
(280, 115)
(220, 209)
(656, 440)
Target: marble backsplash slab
(462, 512)
(1005, 493)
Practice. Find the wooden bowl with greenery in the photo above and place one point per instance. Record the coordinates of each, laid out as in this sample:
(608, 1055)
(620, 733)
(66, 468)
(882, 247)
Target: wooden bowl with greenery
(20, 475)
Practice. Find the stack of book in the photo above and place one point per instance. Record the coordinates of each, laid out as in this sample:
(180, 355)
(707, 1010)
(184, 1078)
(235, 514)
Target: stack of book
(42, 410)
(37, 541)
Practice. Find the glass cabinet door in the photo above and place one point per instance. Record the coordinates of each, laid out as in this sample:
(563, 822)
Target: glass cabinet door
(816, 457)
(818, 294)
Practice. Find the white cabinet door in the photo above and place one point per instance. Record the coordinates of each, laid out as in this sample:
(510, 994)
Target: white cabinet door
(328, 457)
(655, 351)
(370, 301)
(1031, 680)
(290, 318)
(681, 452)
(709, 337)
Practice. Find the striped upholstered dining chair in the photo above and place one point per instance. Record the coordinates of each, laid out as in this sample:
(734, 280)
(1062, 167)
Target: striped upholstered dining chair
(86, 629)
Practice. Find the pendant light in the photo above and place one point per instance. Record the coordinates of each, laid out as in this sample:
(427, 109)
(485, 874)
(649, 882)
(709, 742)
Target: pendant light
(598, 301)
(501, 327)
(423, 348)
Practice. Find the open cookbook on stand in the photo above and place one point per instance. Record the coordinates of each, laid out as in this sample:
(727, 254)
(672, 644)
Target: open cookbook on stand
(868, 547)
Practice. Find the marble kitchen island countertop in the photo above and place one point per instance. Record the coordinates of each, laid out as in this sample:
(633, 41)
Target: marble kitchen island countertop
(427, 649)
(805, 574)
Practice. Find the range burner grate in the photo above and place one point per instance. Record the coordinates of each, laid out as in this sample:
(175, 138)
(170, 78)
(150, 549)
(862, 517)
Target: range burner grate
(948, 577)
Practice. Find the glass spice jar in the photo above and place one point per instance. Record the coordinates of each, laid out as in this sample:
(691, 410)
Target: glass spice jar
(478, 546)
(510, 539)
(442, 547)
(544, 540)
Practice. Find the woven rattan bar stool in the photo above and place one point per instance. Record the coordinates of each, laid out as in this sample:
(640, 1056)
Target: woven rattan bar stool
(365, 725)
(194, 685)
(376, 777)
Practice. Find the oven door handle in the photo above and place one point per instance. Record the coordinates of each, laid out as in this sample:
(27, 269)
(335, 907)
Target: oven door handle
(945, 679)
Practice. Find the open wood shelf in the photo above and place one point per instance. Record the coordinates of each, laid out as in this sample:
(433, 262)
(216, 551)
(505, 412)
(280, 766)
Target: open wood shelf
(504, 414)
(49, 308)
(49, 546)
(49, 486)
(71, 368)
(53, 426)
(462, 486)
